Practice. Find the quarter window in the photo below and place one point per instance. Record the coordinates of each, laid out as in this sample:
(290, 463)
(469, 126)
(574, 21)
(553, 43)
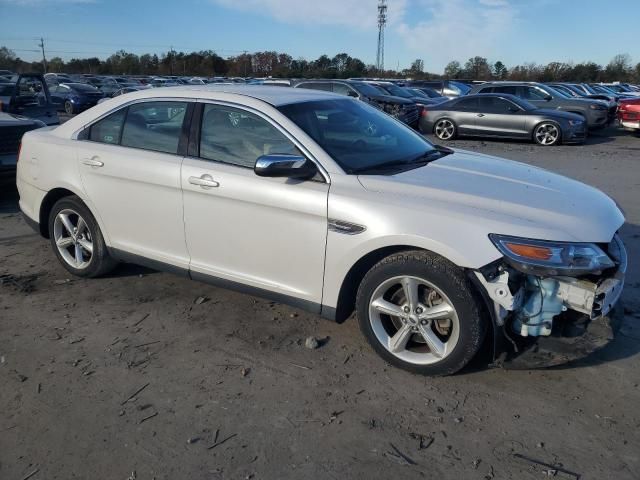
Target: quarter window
(108, 129)
(154, 126)
(467, 104)
(233, 136)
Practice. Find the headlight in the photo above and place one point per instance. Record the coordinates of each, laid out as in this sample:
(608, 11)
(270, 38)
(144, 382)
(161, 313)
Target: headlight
(597, 106)
(552, 258)
(575, 123)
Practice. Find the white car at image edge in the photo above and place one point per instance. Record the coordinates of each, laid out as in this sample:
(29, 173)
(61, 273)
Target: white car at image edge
(328, 204)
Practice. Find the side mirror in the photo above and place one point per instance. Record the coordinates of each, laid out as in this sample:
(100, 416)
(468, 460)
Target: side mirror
(513, 109)
(284, 165)
(351, 93)
(548, 98)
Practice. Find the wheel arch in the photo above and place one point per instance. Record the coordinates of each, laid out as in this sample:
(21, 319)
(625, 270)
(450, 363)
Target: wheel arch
(349, 288)
(50, 200)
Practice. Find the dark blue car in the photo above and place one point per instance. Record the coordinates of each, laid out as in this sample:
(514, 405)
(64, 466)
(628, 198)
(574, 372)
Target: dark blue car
(74, 97)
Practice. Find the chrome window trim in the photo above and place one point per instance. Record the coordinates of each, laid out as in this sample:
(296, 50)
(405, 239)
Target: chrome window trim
(75, 134)
(299, 145)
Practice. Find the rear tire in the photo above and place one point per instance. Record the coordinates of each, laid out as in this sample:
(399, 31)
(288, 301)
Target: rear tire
(445, 129)
(420, 313)
(77, 240)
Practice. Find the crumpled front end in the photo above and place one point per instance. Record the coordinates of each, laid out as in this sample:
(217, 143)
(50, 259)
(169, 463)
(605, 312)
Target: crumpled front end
(548, 320)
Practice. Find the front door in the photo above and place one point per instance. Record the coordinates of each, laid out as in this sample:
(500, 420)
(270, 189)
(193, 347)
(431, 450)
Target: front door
(265, 233)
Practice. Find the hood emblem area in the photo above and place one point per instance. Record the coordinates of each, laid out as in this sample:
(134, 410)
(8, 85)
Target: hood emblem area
(348, 228)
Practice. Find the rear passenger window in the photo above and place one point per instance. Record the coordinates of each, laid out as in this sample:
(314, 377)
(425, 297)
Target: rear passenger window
(509, 89)
(154, 126)
(467, 104)
(233, 136)
(108, 129)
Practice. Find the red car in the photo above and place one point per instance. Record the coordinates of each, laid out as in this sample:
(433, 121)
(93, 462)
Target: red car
(629, 114)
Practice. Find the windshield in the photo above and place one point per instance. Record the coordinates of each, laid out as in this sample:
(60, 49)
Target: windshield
(463, 87)
(357, 136)
(366, 89)
(396, 90)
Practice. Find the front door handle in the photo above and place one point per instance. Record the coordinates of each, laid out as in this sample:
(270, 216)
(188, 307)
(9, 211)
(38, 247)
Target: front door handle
(92, 162)
(481, 114)
(204, 181)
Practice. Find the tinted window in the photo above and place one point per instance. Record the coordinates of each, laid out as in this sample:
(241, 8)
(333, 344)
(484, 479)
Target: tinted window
(366, 89)
(510, 89)
(233, 136)
(154, 126)
(342, 89)
(317, 86)
(108, 129)
(495, 105)
(356, 135)
(467, 104)
(533, 93)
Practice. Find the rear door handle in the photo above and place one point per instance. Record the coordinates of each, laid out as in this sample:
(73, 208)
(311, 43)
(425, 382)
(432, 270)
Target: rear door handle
(481, 114)
(92, 162)
(204, 181)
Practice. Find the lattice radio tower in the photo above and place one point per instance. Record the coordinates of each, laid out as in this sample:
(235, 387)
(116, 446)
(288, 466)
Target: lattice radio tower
(382, 22)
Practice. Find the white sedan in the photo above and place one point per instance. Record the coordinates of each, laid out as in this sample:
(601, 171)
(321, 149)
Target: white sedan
(328, 204)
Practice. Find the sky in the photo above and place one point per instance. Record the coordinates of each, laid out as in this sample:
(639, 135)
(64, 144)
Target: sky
(436, 31)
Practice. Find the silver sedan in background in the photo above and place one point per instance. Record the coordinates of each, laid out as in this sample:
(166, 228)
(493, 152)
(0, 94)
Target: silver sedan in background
(501, 116)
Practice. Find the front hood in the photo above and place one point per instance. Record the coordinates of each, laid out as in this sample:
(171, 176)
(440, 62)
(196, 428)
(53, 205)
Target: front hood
(390, 99)
(527, 199)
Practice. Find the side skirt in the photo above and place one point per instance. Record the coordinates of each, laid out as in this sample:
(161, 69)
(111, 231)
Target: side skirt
(311, 307)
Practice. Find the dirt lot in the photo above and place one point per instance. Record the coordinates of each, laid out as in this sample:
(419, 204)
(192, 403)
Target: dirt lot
(132, 377)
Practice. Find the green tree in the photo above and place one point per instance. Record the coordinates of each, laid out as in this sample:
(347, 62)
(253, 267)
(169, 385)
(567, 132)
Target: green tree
(453, 69)
(500, 70)
(477, 68)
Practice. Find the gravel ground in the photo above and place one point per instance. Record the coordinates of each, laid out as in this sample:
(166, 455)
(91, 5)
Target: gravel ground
(146, 375)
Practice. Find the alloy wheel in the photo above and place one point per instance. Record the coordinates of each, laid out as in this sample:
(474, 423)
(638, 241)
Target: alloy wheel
(73, 239)
(445, 129)
(68, 107)
(547, 134)
(414, 320)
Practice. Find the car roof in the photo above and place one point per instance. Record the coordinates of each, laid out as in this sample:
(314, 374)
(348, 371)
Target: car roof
(275, 96)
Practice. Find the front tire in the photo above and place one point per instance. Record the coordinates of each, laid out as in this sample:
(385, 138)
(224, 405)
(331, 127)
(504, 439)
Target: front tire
(420, 313)
(77, 240)
(68, 107)
(547, 134)
(445, 129)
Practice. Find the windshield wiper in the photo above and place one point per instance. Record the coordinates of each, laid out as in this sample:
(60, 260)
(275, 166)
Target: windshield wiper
(419, 161)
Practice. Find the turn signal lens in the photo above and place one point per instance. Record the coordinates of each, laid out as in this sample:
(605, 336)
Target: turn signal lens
(530, 251)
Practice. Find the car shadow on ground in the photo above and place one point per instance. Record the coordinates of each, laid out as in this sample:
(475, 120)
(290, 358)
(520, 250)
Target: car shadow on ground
(8, 197)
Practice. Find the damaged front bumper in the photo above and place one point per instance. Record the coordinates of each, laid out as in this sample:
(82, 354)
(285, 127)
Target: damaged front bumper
(548, 321)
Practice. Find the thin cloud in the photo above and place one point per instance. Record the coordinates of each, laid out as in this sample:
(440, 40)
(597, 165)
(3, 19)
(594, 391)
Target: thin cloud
(458, 29)
(360, 14)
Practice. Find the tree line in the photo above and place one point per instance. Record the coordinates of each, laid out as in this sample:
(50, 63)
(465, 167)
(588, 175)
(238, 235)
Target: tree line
(275, 64)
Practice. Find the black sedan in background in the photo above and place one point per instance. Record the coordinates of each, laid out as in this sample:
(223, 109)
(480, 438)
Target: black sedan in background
(74, 97)
(501, 116)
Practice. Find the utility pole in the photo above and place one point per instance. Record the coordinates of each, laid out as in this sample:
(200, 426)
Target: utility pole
(171, 60)
(382, 22)
(244, 58)
(44, 59)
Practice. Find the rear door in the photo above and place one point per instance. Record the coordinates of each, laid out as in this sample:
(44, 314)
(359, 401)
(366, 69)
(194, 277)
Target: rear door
(130, 168)
(265, 233)
(499, 117)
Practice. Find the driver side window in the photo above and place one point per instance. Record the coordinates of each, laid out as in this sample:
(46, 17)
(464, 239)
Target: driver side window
(234, 136)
